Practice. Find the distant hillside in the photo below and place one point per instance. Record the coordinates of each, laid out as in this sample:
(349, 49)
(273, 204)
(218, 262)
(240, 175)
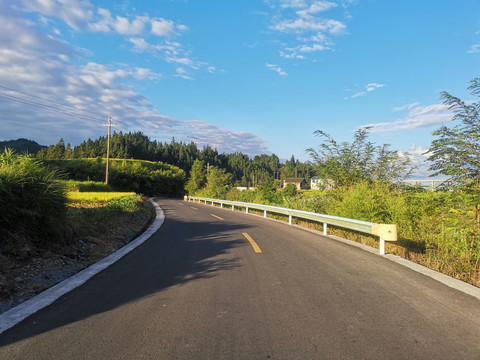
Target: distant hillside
(22, 146)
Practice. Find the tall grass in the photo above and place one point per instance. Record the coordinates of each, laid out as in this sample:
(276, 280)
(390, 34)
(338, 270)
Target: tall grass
(32, 199)
(87, 186)
(96, 197)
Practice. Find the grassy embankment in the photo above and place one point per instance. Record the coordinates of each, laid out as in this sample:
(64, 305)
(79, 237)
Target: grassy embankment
(42, 217)
(106, 219)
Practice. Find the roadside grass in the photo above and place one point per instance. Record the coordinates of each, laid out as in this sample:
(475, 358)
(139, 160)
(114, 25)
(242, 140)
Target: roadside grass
(86, 186)
(98, 197)
(110, 223)
(47, 222)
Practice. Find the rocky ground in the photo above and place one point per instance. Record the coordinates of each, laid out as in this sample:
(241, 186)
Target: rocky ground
(26, 270)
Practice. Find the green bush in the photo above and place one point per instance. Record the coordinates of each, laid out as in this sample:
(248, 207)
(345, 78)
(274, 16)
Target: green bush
(32, 199)
(149, 178)
(87, 186)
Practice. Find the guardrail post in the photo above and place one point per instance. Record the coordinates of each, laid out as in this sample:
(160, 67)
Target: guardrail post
(325, 229)
(290, 219)
(205, 202)
(265, 213)
(246, 209)
(233, 207)
(382, 246)
(221, 205)
(212, 203)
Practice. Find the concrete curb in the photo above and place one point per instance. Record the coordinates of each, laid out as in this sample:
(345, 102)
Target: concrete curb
(15, 315)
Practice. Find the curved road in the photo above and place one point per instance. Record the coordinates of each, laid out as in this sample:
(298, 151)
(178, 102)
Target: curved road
(197, 289)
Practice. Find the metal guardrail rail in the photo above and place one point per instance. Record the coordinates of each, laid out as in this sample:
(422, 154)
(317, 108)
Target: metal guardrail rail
(385, 232)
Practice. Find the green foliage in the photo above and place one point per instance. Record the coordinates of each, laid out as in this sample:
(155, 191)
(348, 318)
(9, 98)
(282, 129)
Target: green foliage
(149, 178)
(218, 183)
(87, 186)
(136, 145)
(350, 163)
(32, 199)
(289, 190)
(115, 205)
(197, 178)
(456, 151)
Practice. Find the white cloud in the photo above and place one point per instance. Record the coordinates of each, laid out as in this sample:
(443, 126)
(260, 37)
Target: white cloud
(125, 27)
(373, 86)
(302, 25)
(276, 68)
(406, 107)
(316, 7)
(300, 18)
(35, 63)
(82, 16)
(75, 13)
(145, 74)
(172, 52)
(418, 159)
(474, 49)
(163, 27)
(204, 133)
(367, 88)
(417, 117)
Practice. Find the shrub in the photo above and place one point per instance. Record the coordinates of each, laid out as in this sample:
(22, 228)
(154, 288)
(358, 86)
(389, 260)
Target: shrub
(32, 199)
(149, 178)
(87, 186)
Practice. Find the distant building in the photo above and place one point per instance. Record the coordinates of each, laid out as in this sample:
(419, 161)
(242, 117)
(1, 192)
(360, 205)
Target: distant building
(317, 183)
(299, 183)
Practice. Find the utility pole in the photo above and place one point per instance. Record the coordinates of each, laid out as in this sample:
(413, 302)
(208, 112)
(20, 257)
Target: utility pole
(108, 146)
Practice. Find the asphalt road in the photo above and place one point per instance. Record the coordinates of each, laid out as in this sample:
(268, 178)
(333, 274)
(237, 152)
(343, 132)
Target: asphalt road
(198, 290)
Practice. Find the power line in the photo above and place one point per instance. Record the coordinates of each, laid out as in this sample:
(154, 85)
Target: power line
(47, 107)
(52, 101)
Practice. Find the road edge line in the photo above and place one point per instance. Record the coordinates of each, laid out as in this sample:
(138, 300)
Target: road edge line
(20, 312)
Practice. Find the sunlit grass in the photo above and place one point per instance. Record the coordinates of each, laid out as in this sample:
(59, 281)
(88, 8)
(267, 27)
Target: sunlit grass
(96, 197)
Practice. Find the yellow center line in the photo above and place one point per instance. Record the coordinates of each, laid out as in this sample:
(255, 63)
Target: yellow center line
(215, 216)
(252, 242)
(194, 208)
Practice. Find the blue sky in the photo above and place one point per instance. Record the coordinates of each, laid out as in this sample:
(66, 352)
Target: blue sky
(252, 76)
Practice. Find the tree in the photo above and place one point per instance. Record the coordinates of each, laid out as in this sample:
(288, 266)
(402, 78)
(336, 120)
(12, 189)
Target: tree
(456, 151)
(348, 163)
(197, 177)
(218, 183)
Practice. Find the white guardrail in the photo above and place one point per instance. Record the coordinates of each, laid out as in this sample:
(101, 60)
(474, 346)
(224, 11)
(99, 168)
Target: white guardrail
(385, 232)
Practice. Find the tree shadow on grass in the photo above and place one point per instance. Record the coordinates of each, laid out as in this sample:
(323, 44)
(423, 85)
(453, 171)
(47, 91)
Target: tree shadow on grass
(181, 251)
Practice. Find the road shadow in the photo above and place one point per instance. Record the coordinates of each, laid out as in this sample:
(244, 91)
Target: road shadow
(180, 251)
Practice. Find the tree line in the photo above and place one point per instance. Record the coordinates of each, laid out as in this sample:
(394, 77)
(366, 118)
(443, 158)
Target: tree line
(245, 171)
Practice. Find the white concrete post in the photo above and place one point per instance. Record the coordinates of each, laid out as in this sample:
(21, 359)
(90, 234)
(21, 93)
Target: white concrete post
(382, 246)
(233, 207)
(246, 210)
(325, 229)
(290, 219)
(221, 205)
(265, 213)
